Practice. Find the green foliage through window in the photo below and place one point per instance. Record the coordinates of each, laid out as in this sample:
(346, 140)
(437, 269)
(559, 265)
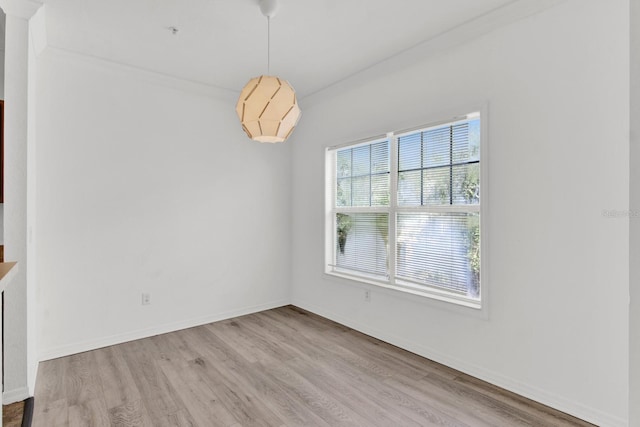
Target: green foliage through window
(435, 216)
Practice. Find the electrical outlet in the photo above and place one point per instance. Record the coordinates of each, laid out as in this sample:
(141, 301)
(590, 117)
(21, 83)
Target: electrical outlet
(146, 298)
(367, 295)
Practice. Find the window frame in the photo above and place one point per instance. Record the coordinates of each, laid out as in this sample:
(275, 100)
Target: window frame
(437, 295)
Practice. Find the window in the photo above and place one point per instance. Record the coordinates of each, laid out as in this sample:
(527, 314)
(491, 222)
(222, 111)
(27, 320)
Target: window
(404, 211)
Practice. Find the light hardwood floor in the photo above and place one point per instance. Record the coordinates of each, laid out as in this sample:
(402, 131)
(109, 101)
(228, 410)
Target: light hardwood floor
(282, 367)
(12, 414)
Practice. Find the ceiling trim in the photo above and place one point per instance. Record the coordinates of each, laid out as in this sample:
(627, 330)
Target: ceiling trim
(21, 8)
(149, 76)
(461, 34)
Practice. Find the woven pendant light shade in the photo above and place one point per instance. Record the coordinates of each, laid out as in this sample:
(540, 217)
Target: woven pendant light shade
(268, 109)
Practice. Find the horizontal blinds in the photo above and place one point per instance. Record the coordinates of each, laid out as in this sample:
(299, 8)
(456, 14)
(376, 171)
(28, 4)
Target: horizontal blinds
(435, 248)
(362, 175)
(440, 166)
(439, 250)
(361, 242)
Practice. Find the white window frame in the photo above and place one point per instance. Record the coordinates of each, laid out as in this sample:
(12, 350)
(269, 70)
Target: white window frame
(439, 296)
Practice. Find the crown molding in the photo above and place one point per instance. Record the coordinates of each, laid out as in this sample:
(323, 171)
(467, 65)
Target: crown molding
(465, 32)
(24, 9)
(149, 76)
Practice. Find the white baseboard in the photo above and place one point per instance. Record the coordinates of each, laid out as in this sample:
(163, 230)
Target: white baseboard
(546, 398)
(15, 395)
(31, 377)
(68, 349)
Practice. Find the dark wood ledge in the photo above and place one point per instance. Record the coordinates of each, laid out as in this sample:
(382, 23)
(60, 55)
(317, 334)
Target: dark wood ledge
(7, 271)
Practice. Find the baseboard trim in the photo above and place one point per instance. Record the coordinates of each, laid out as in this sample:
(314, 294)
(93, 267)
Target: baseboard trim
(66, 350)
(15, 395)
(546, 398)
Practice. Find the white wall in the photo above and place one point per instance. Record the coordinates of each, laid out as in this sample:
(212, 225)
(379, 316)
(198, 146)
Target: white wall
(2, 18)
(557, 88)
(1, 223)
(145, 187)
(37, 39)
(16, 176)
(634, 222)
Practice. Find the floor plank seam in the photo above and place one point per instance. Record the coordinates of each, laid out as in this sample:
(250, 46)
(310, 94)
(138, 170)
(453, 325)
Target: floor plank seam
(280, 367)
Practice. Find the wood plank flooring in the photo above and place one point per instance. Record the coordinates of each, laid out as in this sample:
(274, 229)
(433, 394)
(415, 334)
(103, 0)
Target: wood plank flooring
(281, 367)
(12, 414)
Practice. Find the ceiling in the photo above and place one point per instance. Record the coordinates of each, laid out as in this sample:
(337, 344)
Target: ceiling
(223, 43)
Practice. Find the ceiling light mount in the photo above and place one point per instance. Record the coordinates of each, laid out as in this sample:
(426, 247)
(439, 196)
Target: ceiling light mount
(267, 107)
(269, 8)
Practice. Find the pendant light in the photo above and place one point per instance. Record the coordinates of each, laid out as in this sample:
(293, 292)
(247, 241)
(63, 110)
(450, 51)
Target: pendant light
(267, 107)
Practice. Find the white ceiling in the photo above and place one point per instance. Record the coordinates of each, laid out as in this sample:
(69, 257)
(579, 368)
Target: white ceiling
(223, 43)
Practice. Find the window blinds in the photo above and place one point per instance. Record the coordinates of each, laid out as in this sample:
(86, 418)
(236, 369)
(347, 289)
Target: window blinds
(434, 220)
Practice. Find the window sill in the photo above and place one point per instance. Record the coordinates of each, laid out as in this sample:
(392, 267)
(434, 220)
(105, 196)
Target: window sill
(437, 299)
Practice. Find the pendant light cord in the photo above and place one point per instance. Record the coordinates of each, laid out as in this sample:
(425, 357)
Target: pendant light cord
(268, 45)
